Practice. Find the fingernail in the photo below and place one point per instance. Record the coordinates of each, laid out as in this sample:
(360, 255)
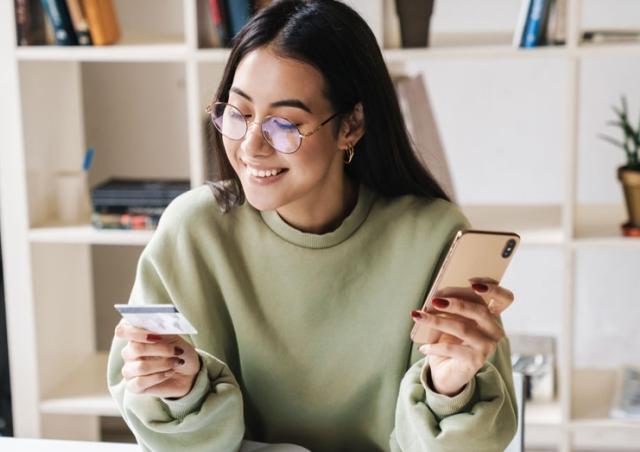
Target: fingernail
(440, 303)
(482, 288)
(179, 362)
(178, 351)
(154, 337)
(416, 314)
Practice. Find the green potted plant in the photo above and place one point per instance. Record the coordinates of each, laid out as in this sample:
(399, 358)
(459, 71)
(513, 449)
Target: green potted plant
(628, 174)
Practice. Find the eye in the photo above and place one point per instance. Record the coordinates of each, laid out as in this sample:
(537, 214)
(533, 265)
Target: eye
(284, 123)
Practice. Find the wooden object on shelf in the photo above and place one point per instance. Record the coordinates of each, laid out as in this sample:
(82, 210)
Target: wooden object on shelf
(103, 21)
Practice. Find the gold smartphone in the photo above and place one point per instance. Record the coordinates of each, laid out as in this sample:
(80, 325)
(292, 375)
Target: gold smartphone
(472, 254)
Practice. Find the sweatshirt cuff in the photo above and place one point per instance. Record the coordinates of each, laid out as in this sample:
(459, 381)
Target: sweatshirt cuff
(442, 405)
(180, 408)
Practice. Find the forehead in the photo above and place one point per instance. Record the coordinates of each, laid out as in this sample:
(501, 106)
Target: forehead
(267, 78)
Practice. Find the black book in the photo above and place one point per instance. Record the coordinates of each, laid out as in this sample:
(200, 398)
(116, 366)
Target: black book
(141, 193)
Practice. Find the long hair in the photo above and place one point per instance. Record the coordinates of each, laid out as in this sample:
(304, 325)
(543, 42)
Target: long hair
(333, 38)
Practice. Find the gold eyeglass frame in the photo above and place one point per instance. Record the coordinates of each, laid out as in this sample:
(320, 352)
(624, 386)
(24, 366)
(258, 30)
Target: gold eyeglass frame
(302, 135)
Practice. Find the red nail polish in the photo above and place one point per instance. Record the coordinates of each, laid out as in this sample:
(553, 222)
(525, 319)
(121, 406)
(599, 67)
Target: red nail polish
(482, 288)
(178, 351)
(416, 314)
(440, 303)
(154, 338)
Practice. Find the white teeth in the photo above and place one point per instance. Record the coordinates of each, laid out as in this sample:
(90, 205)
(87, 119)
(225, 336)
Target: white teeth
(262, 173)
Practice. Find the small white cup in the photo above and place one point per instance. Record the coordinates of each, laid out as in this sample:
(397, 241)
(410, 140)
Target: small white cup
(72, 196)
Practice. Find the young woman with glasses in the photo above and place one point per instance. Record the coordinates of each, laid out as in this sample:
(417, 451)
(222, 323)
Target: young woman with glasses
(303, 266)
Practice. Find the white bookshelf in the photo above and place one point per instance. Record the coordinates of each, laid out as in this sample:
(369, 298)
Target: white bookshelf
(56, 101)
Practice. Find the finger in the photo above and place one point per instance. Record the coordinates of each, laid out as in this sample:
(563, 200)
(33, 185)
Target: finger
(497, 297)
(134, 350)
(468, 332)
(144, 367)
(455, 351)
(175, 386)
(125, 330)
(138, 385)
(477, 312)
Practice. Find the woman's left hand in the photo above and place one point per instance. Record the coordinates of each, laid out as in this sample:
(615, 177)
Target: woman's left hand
(471, 332)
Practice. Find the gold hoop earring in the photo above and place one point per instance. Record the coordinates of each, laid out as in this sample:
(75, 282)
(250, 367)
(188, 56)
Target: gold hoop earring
(350, 153)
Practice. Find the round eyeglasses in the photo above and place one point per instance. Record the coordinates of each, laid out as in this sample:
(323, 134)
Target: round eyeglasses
(281, 134)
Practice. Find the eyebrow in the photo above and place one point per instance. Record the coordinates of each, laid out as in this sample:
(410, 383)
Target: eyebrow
(296, 103)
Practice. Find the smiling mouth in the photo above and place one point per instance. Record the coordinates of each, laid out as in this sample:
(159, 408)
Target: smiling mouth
(263, 173)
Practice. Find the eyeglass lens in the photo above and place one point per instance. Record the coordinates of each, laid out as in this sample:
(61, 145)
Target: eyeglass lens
(280, 133)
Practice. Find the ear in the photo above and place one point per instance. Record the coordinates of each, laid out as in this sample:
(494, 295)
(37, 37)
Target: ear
(352, 127)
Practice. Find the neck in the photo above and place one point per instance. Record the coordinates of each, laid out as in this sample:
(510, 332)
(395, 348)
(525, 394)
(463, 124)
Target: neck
(306, 216)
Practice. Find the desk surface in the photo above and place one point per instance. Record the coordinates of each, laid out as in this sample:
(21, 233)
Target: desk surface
(53, 445)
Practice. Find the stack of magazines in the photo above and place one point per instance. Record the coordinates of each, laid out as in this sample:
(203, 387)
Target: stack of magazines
(133, 203)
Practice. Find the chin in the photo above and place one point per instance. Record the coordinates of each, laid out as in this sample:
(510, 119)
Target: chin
(260, 200)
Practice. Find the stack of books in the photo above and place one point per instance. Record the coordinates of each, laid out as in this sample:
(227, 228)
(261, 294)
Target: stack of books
(66, 22)
(133, 203)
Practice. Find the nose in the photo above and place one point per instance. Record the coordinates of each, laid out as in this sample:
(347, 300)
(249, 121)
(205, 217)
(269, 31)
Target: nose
(254, 143)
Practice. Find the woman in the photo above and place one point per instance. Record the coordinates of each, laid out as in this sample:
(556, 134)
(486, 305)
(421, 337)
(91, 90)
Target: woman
(301, 267)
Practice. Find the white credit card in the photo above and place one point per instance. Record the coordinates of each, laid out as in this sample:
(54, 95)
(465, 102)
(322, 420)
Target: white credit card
(156, 318)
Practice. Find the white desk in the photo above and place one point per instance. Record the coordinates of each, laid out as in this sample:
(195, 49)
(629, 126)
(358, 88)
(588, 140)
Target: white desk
(53, 445)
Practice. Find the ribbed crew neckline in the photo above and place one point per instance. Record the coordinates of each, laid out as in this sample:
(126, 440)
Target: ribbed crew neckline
(309, 240)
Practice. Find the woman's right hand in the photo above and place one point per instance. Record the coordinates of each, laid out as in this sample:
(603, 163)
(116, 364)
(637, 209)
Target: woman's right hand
(159, 365)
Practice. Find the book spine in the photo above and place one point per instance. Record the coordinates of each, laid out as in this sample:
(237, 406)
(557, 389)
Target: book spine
(129, 202)
(534, 31)
(239, 11)
(79, 21)
(23, 22)
(518, 34)
(124, 221)
(60, 21)
(103, 22)
(217, 11)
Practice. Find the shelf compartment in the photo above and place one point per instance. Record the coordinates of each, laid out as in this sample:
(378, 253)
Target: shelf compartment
(87, 234)
(536, 225)
(84, 391)
(599, 224)
(591, 425)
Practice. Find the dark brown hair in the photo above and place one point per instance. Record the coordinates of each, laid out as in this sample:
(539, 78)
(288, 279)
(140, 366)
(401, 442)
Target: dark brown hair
(333, 38)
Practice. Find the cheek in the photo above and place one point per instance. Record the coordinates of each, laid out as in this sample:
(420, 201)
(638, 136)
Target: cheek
(230, 148)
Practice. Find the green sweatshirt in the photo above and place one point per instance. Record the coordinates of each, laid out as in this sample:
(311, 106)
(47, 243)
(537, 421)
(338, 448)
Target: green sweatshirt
(305, 337)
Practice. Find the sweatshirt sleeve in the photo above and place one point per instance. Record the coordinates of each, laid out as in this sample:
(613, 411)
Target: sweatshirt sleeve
(484, 414)
(208, 418)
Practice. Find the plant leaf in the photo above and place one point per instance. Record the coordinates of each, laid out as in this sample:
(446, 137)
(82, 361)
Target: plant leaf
(612, 140)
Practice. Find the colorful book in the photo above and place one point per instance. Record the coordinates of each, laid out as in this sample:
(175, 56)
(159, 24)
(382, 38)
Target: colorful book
(124, 221)
(30, 23)
(238, 13)
(218, 13)
(79, 21)
(103, 21)
(518, 34)
(535, 30)
(60, 20)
